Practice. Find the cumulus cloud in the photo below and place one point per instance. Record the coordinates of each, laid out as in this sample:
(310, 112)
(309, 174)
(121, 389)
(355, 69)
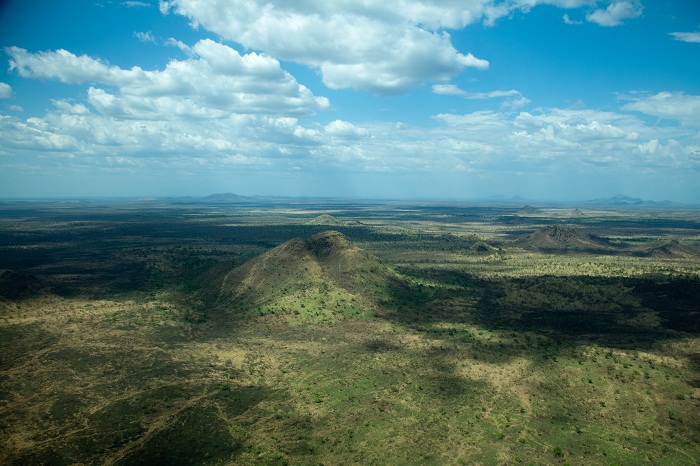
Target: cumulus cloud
(686, 36)
(5, 91)
(486, 143)
(380, 46)
(216, 82)
(615, 13)
(373, 46)
(73, 130)
(587, 131)
(345, 130)
(491, 143)
(669, 105)
(592, 136)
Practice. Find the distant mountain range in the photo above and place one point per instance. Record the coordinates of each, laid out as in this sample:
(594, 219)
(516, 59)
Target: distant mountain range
(618, 200)
(623, 200)
(226, 197)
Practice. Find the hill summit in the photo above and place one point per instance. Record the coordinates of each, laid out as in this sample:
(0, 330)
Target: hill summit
(330, 221)
(671, 249)
(558, 238)
(323, 277)
(325, 219)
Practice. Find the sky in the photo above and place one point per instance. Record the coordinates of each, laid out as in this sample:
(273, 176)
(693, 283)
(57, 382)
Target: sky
(396, 99)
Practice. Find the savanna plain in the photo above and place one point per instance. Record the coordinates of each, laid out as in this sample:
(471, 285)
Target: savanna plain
(340, 332)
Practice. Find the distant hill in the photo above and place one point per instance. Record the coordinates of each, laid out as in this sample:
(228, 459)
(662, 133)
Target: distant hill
(502, 198)
(226, 197)
(527, 210)
(482, 247)
(329, 220)
(511, 219)
(323, 276)
(558, 238)
(577, 213)
(623, 200)
(672, 249)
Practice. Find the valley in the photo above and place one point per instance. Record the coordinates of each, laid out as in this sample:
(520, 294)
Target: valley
(299, 331)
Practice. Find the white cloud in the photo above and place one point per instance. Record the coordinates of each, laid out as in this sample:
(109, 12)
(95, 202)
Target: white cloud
(669, 105)
(493, 94)
(90, 137)
(475, 121)
(218, 81)
(346, 130)
(487, 144)
(69, 108)
(649, 147)
(570, 129)
(67, 67)
(5, 91)
(567, 4)
(380, 46)
(686, 36)
(615, 13)
(145, 36)
(186, 49)
(374, 46)
(516, 99)
(568, 20)
(164, 6)
(448, 89)
(451, 89)
(516, 102)
(134, 4)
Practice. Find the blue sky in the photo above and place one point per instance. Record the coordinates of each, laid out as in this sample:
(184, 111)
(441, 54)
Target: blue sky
(545, 99)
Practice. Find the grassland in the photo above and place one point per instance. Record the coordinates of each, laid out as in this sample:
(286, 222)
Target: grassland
(467, 346)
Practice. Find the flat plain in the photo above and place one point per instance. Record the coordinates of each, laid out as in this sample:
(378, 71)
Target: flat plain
(344, 332)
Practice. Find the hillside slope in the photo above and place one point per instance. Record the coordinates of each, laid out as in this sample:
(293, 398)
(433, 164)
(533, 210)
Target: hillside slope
(16, 285)
(557, 238)
(672, 249)
(323, 276)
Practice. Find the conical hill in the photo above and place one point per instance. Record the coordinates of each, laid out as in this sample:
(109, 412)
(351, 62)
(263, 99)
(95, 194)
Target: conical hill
(325, 219)
(556, 238)
(330, 221)
(671, 249)
(323, 276)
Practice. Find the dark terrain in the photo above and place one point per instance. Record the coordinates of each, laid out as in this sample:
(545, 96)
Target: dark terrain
(233, 330)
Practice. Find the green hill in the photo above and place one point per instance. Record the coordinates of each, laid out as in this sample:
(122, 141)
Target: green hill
(323, 277)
